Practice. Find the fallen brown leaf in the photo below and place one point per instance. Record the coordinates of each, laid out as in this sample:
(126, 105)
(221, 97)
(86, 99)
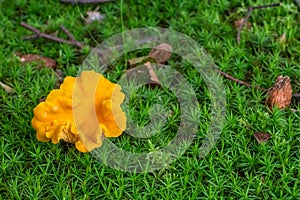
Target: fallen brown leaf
(161, 53)
(40, 60)
(7, 88)
(280, 94)
(262, 137)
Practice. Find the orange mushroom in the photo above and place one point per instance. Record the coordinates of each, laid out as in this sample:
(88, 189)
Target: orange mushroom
(54, 118)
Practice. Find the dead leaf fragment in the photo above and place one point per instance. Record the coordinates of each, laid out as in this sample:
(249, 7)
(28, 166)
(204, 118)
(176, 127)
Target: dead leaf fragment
(59, 77)
(139, 61)
(7, 88)
(239, 22)
(280, 94)
(42, 99)
(153, 77)
(282, 39)
(262, 137)
(94, 16)
(143, 74)
(161, 53)
(40, 60)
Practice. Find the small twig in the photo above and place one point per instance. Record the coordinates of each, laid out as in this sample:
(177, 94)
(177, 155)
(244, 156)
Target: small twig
(72, 41)
(71, 37)
(30, 37)
(67, 32)
(267, 6)
(239, 81)
(85, 1)
(71, 188)
(249, 12)
(39, 34)
(243, 24)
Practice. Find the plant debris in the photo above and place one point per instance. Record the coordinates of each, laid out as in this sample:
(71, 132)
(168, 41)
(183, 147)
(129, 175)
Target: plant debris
(262, 137)
(282, 39)
(239, 23)
(161, 53)
(144, 74)
(40, 60)
(7, 88)
(280, 94)
(39, 34)
(139, 61)
(59, 77)
(153, 77)
(94, 16)
(239, 81)
(73, 42)
(245, 19)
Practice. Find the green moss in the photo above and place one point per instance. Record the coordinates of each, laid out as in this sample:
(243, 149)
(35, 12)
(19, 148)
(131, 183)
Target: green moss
(237, 167)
